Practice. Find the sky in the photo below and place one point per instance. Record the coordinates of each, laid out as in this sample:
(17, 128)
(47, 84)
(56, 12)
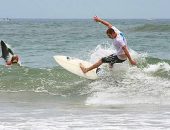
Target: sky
(84, 9)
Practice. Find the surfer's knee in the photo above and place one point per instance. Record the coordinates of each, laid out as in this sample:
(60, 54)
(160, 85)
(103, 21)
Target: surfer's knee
(103, 59)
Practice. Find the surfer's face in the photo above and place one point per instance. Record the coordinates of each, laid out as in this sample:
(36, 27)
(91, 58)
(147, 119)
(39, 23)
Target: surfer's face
(112, 35)
(14, 59)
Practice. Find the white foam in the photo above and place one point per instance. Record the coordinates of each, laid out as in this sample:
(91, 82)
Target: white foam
(132, 87)
(159, 66)
(101, 51)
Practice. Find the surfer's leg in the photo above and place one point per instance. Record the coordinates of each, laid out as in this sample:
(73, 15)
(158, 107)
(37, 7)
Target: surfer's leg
(96, 65)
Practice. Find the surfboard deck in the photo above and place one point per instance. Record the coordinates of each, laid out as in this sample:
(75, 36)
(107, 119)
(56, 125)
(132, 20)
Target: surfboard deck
(72, 65)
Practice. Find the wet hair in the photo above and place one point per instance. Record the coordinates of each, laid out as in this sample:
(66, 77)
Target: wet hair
(15, 59)
(110, 31)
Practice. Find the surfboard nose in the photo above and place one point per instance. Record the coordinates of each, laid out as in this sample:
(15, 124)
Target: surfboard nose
(2, 43)
(58, 57)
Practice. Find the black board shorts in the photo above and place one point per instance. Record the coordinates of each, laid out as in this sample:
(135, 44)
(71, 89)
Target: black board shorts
(112, 59)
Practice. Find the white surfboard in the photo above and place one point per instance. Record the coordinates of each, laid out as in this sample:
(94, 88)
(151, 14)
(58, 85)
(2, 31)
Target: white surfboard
(73, 65)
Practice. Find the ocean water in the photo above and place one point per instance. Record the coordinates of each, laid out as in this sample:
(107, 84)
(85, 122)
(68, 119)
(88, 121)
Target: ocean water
(41, 95)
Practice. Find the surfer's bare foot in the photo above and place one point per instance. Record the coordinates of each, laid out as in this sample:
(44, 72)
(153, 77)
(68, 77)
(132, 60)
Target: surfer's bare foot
(83, 68)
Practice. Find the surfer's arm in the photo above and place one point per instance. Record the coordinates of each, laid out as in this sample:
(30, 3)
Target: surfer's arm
(97, 19)
(128, 55)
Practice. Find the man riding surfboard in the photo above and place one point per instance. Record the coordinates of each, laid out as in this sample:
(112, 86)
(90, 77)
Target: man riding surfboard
(120, 43)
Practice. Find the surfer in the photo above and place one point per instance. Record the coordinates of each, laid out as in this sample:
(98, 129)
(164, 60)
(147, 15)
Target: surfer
(8, 55)
(120, 43)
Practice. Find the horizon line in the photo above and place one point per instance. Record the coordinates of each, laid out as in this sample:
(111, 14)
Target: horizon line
(8, 18)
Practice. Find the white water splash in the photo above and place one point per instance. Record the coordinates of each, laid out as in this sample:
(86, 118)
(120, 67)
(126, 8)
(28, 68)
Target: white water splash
(156, 67)
(132, 86)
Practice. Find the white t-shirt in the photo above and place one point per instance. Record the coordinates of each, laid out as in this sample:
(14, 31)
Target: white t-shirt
(119, 42)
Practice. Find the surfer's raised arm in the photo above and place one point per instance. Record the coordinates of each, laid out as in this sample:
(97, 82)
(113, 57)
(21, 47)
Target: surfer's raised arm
(97, 19)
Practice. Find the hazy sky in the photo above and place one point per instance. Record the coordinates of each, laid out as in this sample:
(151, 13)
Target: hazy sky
(85, 8)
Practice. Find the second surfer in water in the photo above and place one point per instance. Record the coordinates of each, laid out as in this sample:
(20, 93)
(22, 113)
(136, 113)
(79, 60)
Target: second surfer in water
(8, 55)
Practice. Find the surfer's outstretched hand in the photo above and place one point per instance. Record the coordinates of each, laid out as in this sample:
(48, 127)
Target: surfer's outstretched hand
(97, 19)
(133, 62)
